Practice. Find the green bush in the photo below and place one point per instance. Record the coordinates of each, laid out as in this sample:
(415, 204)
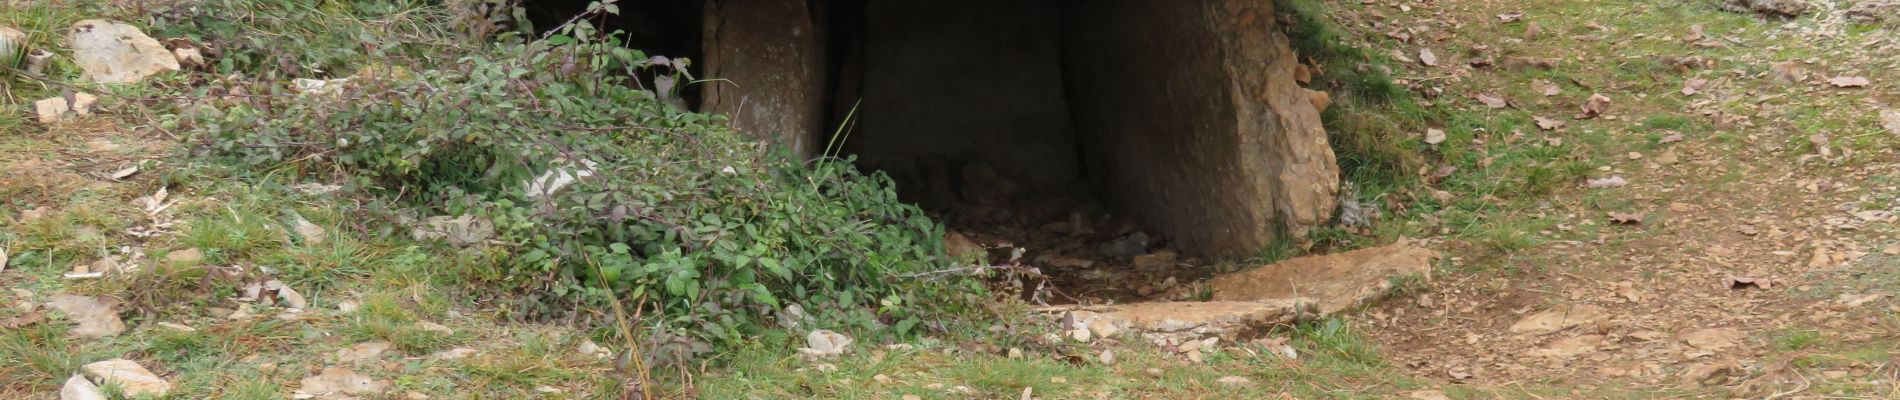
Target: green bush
(707, 228)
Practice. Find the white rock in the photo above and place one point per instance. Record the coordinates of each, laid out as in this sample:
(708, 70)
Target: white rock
(1234, 381)
(360, 352)
(51, 110)
(78, 388)
(310, 232)
(131, 378)
(95, 318)
(824, 343)
(588, 348)
(11, 42)
(113, 52)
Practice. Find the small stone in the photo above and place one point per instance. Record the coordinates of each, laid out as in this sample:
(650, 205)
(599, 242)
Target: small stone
(95, 318)
(1427, 395)
(1108, 357)
(1194, 355)
(1153, 372)
(882, 378)
(360, 352)
(545, 389)
(340, 383)
(51, 110)
(78, 388)
(588, 348)
(82, 103)
(1015, 353)
(824, 344)
(1079, 335)
(185, 258)
(911, 397)
(415, 395)
(310, 232)
(1234, 381)
(1156, 260)
(132, 379)
(114, 52)
(1103, 328)
(435, 327)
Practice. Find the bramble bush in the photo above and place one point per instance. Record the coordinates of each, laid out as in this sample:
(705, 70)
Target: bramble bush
(708, 229)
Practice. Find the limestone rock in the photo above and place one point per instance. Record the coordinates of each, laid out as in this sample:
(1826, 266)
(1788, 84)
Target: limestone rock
(135, 380)
(78, 388)
(340, 384)
(51, 110)
(114, 52)
(96, 318)
(360, 352)
(824, 344)
(12, 42)
(1184, 321)
(1337, 282)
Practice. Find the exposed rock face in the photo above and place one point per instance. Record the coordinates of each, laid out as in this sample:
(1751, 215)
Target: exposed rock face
(1337, 282)
(772, 51)
(1206, 134)
(114, 52)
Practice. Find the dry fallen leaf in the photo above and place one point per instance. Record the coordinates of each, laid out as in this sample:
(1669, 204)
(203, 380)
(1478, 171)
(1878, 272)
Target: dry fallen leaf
(1695, 33)
(1597, 104)
(1434, 136)
(1671, 138)
(1614, 181)
(1546, 87)
(1510, 17)
(1425, 56)
(1848, 81)
(1549, 124)
(1491, 101)
(1788, 71)
(1624, 218)
(1694, 86)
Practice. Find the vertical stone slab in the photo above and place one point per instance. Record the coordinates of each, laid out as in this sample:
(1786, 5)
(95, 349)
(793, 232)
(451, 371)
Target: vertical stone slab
(1193, 121)
(771, 54)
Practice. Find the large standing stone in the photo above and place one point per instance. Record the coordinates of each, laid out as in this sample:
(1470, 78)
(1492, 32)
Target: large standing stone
(1196, 121)
(131, 378)
(114, 52)
(771, 55)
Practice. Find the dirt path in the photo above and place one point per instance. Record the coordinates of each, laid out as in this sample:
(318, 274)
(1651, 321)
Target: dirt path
(1752, 251)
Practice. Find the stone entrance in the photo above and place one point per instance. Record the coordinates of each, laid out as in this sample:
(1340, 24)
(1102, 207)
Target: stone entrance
(1182, 115)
